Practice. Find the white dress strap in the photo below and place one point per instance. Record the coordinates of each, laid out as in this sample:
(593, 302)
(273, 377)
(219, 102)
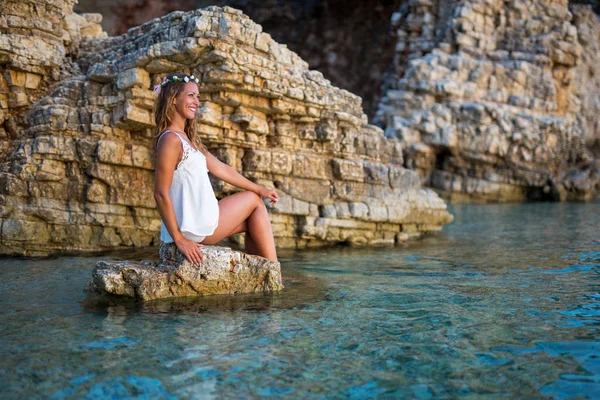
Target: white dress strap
(167, 131)
(164, 133)
(185, 146)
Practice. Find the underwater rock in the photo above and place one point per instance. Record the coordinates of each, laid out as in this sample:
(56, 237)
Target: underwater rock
(223, 271)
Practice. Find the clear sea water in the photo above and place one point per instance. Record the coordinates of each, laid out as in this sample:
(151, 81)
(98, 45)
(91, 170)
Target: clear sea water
(503, 303)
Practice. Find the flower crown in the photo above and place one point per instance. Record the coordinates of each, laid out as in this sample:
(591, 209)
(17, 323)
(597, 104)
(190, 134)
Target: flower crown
(175, 78)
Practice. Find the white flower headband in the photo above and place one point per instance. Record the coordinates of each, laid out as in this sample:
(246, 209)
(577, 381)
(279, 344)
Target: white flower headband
(174, 78)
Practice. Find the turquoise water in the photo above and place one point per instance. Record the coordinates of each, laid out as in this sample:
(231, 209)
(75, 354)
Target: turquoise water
(504, 303)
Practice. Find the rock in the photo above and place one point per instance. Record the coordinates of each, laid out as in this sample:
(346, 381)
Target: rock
(83, 140)
(224, 271)
(494, 95)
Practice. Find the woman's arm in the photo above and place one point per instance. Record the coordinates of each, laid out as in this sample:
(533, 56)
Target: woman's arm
(168, 153)
(231, 176)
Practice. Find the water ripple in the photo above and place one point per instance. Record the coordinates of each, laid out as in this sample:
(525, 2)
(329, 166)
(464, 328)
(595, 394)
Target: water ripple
(504, 303)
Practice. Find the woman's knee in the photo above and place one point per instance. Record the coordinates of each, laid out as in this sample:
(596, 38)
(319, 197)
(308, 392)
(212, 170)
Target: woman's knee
(254, 199)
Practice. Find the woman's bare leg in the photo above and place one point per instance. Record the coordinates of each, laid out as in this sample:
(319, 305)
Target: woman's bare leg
(260, 232)
(250, 245)
(245, 212)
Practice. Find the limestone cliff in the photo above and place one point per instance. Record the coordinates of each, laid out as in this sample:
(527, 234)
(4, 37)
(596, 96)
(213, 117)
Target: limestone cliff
(76, 161)
(491, 99)
(346, 40)
(587, 75)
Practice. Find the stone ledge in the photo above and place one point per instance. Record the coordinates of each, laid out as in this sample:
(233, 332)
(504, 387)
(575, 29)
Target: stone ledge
(224, 271)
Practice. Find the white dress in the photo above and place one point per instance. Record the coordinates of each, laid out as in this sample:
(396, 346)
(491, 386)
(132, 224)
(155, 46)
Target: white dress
(194, 201)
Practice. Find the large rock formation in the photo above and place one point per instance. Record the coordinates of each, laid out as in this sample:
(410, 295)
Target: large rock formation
(587, 75)
(491, 99)
(37, 44)
(223, 271)
(347, 40)
(77, 163)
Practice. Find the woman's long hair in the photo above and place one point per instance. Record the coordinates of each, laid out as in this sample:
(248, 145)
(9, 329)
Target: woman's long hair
(164, 108)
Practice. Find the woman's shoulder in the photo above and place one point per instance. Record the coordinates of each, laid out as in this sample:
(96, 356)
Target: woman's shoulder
(168, 138)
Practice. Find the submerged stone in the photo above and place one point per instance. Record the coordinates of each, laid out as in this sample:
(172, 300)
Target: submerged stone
(223, 271)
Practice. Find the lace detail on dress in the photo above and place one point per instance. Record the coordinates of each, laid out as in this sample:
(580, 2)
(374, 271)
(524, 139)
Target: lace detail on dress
(187, 149)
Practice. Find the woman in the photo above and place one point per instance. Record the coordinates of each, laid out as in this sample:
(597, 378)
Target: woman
(185, 199)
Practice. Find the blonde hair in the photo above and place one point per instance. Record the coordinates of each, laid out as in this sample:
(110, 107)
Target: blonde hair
(164, 107)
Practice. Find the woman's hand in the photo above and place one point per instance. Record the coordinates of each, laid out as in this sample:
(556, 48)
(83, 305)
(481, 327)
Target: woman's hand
(268, 194)
(191, 250)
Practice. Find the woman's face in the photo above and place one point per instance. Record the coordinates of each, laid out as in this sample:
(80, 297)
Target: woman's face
(186, 103)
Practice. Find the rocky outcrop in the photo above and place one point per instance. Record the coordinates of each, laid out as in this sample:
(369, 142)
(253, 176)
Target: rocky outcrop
(347, 40)
(586, 75)
(486, 102)
(78, 172)
(223, 271)
(37, 42)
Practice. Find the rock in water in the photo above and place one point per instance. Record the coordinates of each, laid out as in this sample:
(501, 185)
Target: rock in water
(224, 271)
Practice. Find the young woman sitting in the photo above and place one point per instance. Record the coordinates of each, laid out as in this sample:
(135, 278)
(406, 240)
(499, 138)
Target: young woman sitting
(190, 213)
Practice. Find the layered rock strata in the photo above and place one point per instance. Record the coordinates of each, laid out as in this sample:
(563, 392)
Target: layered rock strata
(37, 42)
(485, 99)
(78, 169)
(587, 75)
(223, 271)
(338, 38)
